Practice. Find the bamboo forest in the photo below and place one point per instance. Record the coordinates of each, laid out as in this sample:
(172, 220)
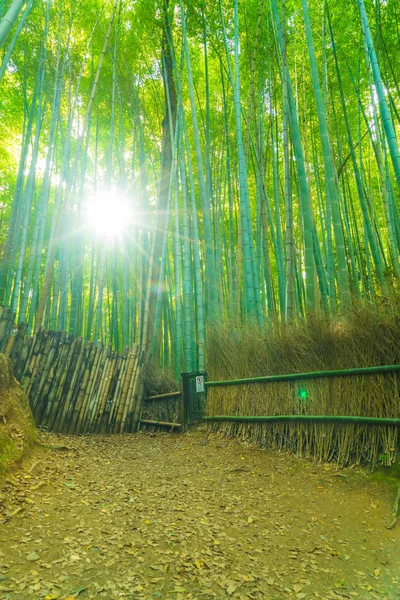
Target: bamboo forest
(199, 299)
(165, 165)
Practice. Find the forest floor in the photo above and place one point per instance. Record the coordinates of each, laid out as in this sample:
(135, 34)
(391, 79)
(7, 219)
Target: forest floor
(192, 516)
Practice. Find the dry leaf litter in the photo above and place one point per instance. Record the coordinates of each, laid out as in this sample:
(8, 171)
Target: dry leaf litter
(188, 517)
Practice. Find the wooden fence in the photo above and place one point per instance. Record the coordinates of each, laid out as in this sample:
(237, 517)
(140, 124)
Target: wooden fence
(72, 386)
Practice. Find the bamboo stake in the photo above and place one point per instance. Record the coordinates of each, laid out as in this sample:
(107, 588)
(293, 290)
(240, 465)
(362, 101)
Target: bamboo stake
(123, 361)
(125, 389)
(72, 378)
(88, 361)
(131, 386)
(63, 384)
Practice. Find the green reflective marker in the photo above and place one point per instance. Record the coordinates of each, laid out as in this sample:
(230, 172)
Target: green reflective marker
(303, 395)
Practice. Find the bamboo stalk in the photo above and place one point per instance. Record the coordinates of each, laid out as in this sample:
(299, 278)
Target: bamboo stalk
(125, 390)
(163, 396)
(130, 391)
(90, 356)
(92, 388)
(65, 378)
(113, 409)
(98, 393)
(107, 377)
(92, 374)
(39, 365)
(137, 404)
(112, 416)
(40, 396)
(109, 395)
(71, 378)
(160, 423)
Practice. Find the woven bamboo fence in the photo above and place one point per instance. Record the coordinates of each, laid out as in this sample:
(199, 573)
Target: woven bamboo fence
(72, 386)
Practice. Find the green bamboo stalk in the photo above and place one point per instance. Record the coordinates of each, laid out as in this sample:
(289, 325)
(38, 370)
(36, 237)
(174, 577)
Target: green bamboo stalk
(9, 19)
(188, 308)
(11, 46)
(279, 239)
(331, 188)
(11, 243)
(360, 190)
(383, 106)
(200, 313)
(306, 211)
(289, 241)
(211, 289)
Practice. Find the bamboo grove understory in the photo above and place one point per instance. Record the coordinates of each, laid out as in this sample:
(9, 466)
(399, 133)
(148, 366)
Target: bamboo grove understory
(252, 146)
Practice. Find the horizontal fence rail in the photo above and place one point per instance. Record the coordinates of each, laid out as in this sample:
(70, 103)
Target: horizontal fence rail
(172, 426)
(289, 412)
(164, 396)
(380, 369)
(162, 411)
(308, 375)
(305, 418)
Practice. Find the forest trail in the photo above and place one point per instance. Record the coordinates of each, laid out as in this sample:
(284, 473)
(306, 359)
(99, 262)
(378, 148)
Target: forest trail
(187, 517)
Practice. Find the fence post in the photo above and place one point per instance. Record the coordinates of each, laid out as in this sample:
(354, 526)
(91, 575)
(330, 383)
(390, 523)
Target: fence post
(191, 406)
(185, 400)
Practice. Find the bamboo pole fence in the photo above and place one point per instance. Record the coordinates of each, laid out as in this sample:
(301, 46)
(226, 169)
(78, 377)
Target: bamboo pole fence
(75, 386)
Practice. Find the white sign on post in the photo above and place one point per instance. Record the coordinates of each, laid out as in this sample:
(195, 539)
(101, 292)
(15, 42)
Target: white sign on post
(199, 383)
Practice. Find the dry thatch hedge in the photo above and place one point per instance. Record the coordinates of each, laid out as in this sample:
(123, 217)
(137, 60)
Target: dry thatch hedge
(369, 336)
(158, 381)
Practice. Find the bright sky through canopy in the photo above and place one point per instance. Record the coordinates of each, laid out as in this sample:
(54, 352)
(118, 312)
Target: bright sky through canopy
(108, 213)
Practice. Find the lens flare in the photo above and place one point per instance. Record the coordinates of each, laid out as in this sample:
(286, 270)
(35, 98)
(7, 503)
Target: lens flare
(108, 213)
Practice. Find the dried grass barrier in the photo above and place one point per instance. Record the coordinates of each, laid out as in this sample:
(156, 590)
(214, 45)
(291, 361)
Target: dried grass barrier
(370, 337)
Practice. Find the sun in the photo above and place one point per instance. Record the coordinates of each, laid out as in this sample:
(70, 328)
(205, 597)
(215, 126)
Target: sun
(108, 213)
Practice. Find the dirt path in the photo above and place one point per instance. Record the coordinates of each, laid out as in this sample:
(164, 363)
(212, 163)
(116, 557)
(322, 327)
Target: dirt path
(190, 517)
